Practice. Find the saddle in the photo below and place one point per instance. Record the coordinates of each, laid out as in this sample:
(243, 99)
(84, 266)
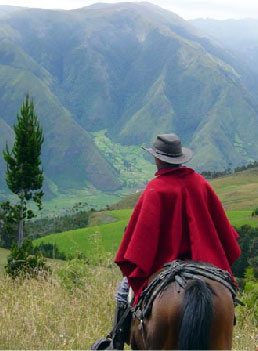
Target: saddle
(179, 271)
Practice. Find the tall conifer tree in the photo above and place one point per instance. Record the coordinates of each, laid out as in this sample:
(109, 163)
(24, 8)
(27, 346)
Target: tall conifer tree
(24, 171)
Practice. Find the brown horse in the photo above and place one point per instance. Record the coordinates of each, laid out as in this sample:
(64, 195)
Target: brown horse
(197, 317)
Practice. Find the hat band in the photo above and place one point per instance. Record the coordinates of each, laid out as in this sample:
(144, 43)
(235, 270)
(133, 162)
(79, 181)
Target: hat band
(169, 155)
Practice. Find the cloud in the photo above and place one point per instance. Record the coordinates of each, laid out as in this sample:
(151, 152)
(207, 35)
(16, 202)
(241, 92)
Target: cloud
(220, 9)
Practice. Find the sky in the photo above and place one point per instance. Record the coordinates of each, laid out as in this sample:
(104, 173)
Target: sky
(188, 9)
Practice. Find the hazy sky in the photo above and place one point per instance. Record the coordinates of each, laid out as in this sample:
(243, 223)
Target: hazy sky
(219, 9)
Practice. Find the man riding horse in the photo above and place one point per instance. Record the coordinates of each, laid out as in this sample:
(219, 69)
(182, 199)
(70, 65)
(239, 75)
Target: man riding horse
(178, 216)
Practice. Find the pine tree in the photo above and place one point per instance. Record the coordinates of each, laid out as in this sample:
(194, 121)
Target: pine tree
(24, 171)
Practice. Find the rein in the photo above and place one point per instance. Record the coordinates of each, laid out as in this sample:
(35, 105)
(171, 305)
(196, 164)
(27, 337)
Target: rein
(180, 271)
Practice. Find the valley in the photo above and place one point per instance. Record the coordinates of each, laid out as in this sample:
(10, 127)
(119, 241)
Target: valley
(105, 79)
(100, 96)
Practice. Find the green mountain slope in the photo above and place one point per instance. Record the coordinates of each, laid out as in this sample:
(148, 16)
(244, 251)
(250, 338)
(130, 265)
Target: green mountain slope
(95, 241)
(67, 146)
(238, 192)
(92, 240)
(240, 38)
(132, 69)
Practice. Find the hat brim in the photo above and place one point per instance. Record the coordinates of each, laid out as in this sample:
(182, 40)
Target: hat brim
(187, 154)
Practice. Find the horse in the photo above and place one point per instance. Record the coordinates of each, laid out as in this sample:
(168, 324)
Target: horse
(198, 316)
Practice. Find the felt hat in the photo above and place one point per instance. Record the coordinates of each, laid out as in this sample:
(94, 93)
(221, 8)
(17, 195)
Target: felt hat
(168, 148)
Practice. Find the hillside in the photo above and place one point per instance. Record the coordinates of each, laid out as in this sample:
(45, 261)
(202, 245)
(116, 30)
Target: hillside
(239, 37)
(124, 73)
(238, 191)
(92, 241)
(104, 238)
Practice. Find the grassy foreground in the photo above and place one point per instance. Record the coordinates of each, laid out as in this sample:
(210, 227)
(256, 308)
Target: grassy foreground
(43, 314)
(39, 314)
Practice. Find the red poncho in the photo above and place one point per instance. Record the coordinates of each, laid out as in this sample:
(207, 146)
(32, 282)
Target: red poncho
(178, 216)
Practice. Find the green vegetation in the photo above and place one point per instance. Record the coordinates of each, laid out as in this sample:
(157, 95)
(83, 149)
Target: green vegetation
(62, 203)
(107, 236)
(48, 250)
(248, 242)
(255, 212)
(21, 264)
(240, 218)
(24, 176)
(238, 191)
(3, 258)
(72, 275)
(239, 38)
(126, 84)
(73, 219)
(129, 161)
(47, 314)
(76, 307)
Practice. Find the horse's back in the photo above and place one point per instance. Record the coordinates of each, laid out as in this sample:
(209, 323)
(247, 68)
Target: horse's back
(161, 330)
(223, 317)
(166, 311)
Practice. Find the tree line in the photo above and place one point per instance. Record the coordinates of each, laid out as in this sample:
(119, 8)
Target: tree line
(228, 171)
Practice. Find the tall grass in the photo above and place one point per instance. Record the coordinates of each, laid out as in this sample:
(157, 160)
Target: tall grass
(40, 314)
(44, 314)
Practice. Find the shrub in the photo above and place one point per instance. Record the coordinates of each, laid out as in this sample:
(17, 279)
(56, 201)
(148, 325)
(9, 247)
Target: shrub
(248, 242)
(73, 273)
(22, 264)
(250, 296)
(255, 212)
(49, 250)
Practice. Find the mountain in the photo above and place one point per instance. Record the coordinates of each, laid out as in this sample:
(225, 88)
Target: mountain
(240, 38)
(4, 10)
(237, 192)
(131, 69)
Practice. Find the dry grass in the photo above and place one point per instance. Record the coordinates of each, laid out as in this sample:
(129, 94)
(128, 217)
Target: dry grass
(39, 314)
(245, 335)
(238, 191)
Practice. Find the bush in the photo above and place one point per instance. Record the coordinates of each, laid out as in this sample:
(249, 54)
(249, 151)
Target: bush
(22, 264)
(73, 273)
(249, 295)
(255, 212)
(49, 250)
(248, 242)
